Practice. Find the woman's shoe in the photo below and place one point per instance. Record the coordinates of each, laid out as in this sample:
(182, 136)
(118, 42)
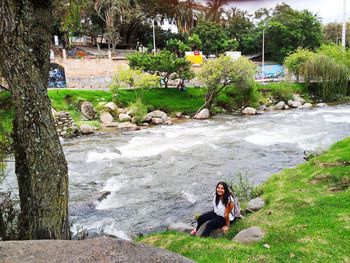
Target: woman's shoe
(193, 232)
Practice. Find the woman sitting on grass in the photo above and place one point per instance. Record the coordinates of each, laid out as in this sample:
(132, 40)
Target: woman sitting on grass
(222, 214)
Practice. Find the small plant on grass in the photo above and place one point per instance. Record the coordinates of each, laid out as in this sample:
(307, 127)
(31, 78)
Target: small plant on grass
(139, 110)
(243, 188)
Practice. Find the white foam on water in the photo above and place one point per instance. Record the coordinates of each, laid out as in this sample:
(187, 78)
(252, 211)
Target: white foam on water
(290, 135)
(189, 197)
(94, 156)
(111, 229)
(176, 139)
(337, 119)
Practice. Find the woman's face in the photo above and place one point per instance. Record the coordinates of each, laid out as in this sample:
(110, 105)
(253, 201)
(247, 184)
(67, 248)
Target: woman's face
(220, 190)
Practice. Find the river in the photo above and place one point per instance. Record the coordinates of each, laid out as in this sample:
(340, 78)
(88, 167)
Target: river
(167, 174)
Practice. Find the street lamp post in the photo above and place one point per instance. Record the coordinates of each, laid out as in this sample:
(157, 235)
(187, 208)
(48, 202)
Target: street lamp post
(344, 25)
(154, 38)
(263, 56)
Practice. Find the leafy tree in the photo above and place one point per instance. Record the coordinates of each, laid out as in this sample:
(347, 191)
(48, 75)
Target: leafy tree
(333, 31)
(223, 72)
(239, 27)
(295, 61)
(40, 164)
(214, 38)
(164, 63)
(287, 29)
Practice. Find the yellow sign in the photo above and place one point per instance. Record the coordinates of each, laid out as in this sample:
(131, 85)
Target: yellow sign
(194, 57)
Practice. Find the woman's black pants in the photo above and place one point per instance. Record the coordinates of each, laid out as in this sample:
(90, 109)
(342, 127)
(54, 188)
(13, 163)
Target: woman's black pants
(215, 221)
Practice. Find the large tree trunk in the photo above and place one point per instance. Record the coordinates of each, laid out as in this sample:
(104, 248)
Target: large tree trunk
(41, 167)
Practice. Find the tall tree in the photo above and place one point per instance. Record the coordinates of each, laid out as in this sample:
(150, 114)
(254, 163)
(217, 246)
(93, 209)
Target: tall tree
(40, 164)
(215, 10)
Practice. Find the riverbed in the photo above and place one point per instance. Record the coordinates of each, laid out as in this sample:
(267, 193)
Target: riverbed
(167, 174)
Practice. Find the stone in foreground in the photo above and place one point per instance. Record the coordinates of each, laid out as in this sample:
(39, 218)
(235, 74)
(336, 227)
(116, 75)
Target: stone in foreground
(203, 114)
(249, 235)
(86, 129)
(180, 227)
(216, 233)
(100, 249)
(88, 110)
(249, 111)
(256, 204)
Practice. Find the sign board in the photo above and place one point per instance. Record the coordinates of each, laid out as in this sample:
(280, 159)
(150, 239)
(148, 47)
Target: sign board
(194, 57)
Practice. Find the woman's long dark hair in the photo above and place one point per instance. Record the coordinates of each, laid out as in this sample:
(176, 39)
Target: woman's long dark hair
(226, 196)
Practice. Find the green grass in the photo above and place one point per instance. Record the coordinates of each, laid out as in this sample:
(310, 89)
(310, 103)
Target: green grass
(306, 219)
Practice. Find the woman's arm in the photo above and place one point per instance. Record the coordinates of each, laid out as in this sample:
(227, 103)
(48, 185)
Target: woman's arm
(228, 210)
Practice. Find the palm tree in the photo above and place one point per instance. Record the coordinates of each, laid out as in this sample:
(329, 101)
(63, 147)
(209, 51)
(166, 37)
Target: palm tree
(215, 10)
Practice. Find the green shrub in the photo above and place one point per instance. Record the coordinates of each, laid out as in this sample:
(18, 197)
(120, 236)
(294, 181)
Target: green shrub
(243, 188)
(139, 110)
(284, 92)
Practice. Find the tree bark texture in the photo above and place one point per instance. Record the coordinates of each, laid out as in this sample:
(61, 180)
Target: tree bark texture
(41, 167)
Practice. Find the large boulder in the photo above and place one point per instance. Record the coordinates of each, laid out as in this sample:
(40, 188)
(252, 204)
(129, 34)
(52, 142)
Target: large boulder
(249, 111)
(86, 129)
(296, 97)
(280, 105)
(216, 233)
(110, 106)
(296, 104)
(156, 114)
(256, 204)
(203, 114)
(180, 227)
(106, 117)
(290, 103)
(306, 106)
(157, 121)
(321, 105)
(100, 249)
(249, 235)
(88, 110)
(128, 125)
(124, 117)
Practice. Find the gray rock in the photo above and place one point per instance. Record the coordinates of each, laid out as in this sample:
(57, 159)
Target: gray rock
(127, 125)
(157, 114)
(106, 117)
(100, 249)
(280, 105)
(64, 134)
(110, 106)
(122, 110)
(286, 107)
(296, 104)
(249, 111)
(262, 107)
(296, 97)
(187, 117)
(290, 103)
(112, 124)
(260, 112)
(180, 227)
(168, 122)
(216, 233)
(86, 129)
(124, 117)
(256, 204)
(321, 105)
(306, 106)
(249, 235)
(88, 110)
(178, 115)
(203, 114)
(157, 121)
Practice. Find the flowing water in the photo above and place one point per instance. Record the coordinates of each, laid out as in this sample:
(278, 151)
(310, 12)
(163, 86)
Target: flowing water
(166, 174)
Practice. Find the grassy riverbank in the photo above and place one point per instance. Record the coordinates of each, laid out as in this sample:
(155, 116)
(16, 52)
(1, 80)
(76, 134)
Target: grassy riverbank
(306, 219)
